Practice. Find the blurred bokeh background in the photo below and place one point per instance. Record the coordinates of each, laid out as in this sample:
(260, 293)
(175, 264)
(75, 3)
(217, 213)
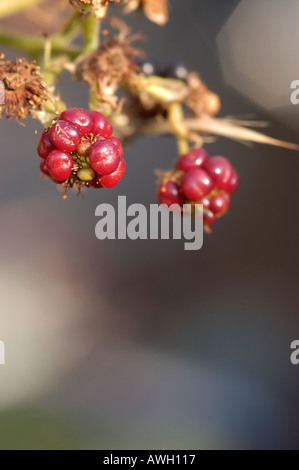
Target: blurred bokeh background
(140, 344)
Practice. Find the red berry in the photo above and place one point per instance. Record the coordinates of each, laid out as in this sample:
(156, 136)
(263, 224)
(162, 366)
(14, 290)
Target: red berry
(96, 182)
(220, 203)
(196, 158)
(221, 171)
(83, 148)
(43, 168)
(104, 157)
(59, 165)
(79, 118)
(101, 125)
(209, 218)
(45, 145)
(169, 193)
(98, 138)
(233, 183)
(206, 202)
(109, 181)
(64, 136)
(196, 184)
(118, 145)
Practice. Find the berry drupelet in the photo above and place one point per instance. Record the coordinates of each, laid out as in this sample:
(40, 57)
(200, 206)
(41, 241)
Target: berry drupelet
(79, 150)
(169, 193)
(198, 179)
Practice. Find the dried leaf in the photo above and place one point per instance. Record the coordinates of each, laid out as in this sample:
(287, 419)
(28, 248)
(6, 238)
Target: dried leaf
(226, 128)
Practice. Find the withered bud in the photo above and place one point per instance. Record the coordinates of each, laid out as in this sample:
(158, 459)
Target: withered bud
(114, 61)
(155, 10)
(24, 89)
(201, 100)
(111, 65)
(99, 7)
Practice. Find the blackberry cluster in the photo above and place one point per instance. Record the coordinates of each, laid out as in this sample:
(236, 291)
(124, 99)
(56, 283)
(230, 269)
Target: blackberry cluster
(202, 180)
(79, 150)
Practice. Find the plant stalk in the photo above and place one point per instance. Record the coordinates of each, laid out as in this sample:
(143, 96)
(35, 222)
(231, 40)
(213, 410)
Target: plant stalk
(175, 118)
(34, 46)
(91, 33)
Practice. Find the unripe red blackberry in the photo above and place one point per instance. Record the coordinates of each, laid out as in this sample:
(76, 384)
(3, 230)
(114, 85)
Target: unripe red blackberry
(220, 170)
(233, 184)
(109, 181)
(43, 168)
(101, 125)
(118, 145)
(79, 118)
(45, 145)
(59, 165)
(209, 218)
(196, 184)
(170, 193)
(104, 157)
(200, 180)
(220, 203)
(194, 159)
(78, 149)
(96, 182)
(64, 136)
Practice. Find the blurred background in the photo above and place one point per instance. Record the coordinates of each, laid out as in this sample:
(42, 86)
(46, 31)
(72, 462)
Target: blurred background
(140, 344)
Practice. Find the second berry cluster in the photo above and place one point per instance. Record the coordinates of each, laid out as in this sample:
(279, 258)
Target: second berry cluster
(79, 149)
(203, 180)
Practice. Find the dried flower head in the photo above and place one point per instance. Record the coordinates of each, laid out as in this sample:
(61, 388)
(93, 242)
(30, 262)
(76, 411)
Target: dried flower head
(99, 7)
(24, 89)
(114, 62)
(106, 68)
(201, 100)
(155, 10)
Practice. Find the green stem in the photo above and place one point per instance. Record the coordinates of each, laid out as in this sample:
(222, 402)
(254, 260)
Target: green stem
(34, 46)
(91, 33)
(183, 146)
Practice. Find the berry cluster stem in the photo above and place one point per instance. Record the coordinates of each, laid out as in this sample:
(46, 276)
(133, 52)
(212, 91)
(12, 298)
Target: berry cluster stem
(176, 118)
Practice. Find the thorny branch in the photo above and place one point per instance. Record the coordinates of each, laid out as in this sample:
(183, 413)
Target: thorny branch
(149, 104)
